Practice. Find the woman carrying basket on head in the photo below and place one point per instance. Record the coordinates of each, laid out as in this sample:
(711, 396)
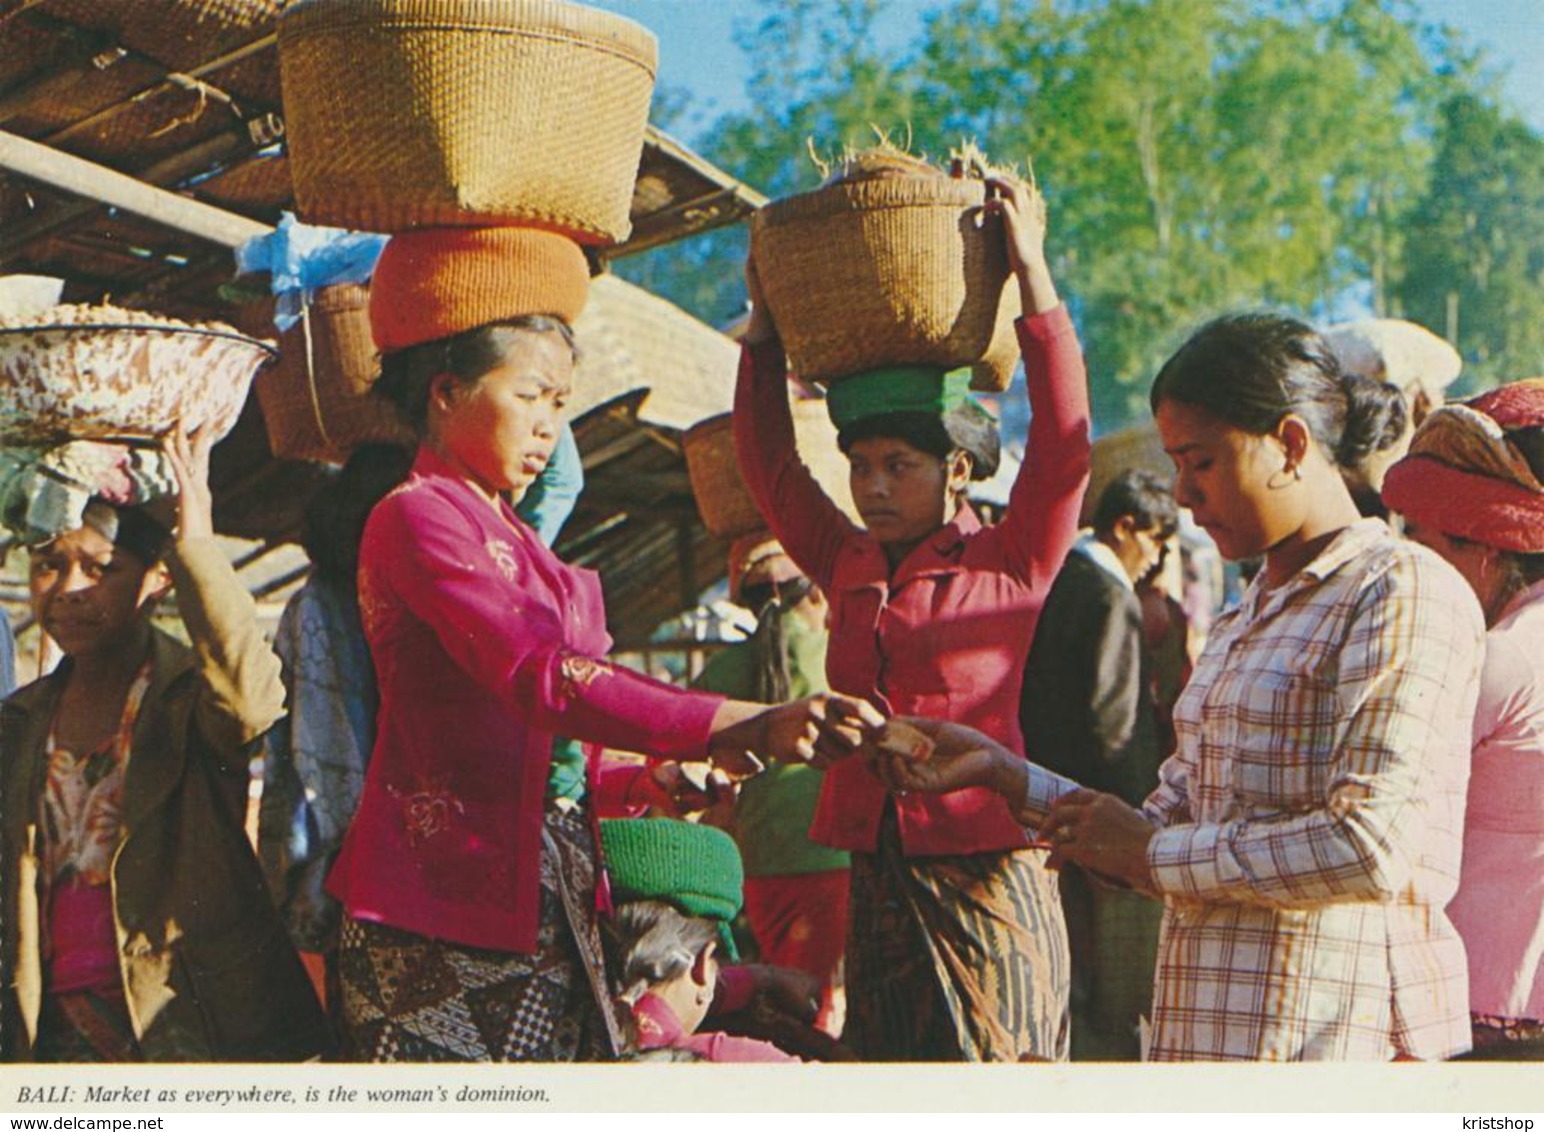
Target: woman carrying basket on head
(468, 880)
(137, 926)
(956, 945)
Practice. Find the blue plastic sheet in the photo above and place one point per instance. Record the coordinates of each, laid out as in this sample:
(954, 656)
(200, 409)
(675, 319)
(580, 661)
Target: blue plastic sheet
(302, 257)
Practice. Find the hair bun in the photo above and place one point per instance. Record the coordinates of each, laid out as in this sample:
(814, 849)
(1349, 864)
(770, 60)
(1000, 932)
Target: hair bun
(1376, 415)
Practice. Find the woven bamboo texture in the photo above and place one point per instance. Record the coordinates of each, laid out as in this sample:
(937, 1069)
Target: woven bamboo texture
(894, 271)
(418, 113)
(1138, 447)
(630, 339)
(725, 502)
(316, 401)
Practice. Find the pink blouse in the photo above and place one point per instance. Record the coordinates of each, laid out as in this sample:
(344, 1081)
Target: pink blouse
(659, 1028)
(1499, 907)
(946, 635)
(485, 645)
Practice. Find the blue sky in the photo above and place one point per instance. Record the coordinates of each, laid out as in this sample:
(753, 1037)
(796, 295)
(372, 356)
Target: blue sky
(698, 52)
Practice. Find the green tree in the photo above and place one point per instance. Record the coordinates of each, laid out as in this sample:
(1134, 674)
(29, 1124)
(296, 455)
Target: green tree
(1474, 266)
(1197, 155)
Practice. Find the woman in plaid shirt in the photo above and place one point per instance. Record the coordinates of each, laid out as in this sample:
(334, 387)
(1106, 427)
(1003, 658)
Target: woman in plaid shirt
(1305, 837)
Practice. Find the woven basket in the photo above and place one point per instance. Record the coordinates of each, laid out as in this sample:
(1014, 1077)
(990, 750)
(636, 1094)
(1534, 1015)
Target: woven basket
(443, 113)
(102, 373)
(1138, 447)
(893, 271)
(316, 403)
(723, 499)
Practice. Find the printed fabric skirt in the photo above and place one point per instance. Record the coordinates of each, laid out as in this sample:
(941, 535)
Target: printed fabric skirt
(407, 997)
(85, 1026)
(955, 958)
(1505, 1039)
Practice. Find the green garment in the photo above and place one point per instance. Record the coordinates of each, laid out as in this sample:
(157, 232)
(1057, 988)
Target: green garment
(773, 815)
(896, 389)
(566, 778)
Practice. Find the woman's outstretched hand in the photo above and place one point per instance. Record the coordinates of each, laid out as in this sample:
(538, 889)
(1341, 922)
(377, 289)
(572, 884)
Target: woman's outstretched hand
(1101, 833)
(957, 757)
(188, 454)
(818, 730)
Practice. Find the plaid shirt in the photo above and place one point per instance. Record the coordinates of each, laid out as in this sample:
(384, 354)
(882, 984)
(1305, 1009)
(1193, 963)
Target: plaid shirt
(1313, 816)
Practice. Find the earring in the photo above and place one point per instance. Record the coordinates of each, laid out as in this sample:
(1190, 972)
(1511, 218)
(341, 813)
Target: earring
(1283, 478)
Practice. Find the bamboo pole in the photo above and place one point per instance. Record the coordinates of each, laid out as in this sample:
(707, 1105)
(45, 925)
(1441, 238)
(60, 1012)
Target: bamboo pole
(97, 182)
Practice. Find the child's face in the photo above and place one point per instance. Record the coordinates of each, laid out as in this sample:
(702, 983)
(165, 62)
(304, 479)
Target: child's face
(87, 594)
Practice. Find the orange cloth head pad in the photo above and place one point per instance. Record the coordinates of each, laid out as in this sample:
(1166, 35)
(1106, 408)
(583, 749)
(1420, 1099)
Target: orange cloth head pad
(434, 282)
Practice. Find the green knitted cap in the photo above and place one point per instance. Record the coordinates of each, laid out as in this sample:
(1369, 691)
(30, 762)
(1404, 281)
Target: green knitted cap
(896, 389)
(694, 867)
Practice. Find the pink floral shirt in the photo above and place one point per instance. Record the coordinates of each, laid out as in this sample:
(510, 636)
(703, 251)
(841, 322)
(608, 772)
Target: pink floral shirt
(82, 811)
(485, 645)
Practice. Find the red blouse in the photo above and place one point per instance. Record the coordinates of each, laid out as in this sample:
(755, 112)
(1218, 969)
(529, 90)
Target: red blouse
(485, 645)
(947, 635)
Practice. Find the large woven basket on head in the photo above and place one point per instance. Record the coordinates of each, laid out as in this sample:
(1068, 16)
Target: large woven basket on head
(76, 372)
(442, 113)
(723, 499)
(316, 402)
(899, 270)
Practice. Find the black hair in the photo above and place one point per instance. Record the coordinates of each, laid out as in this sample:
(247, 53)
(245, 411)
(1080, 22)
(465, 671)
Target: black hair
(1529, 566)
(407, 373)
(1251, 370)
(966, 428)
(651, 942)
(141, 534)
(771, 602)
(334, 520)
(1142, 495)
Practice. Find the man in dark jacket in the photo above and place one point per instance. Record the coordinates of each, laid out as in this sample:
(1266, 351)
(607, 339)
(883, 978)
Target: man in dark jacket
(1087, 712)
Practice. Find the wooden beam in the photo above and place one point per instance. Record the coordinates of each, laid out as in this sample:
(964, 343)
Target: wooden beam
(230, 148)
(97, 182)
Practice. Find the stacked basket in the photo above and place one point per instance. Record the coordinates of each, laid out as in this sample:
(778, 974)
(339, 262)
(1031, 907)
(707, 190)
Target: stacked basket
(724, 500)
(315, 401)
(419, 115)
(480, 113)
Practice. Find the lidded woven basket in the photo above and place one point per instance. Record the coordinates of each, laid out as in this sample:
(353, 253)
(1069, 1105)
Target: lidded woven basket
(316, 401)
(77, 372)
(723, 499)
(895, 270)
(463, 113)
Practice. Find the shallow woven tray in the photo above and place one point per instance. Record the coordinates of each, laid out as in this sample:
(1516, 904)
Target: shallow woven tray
(107, 380)
(418, 113)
